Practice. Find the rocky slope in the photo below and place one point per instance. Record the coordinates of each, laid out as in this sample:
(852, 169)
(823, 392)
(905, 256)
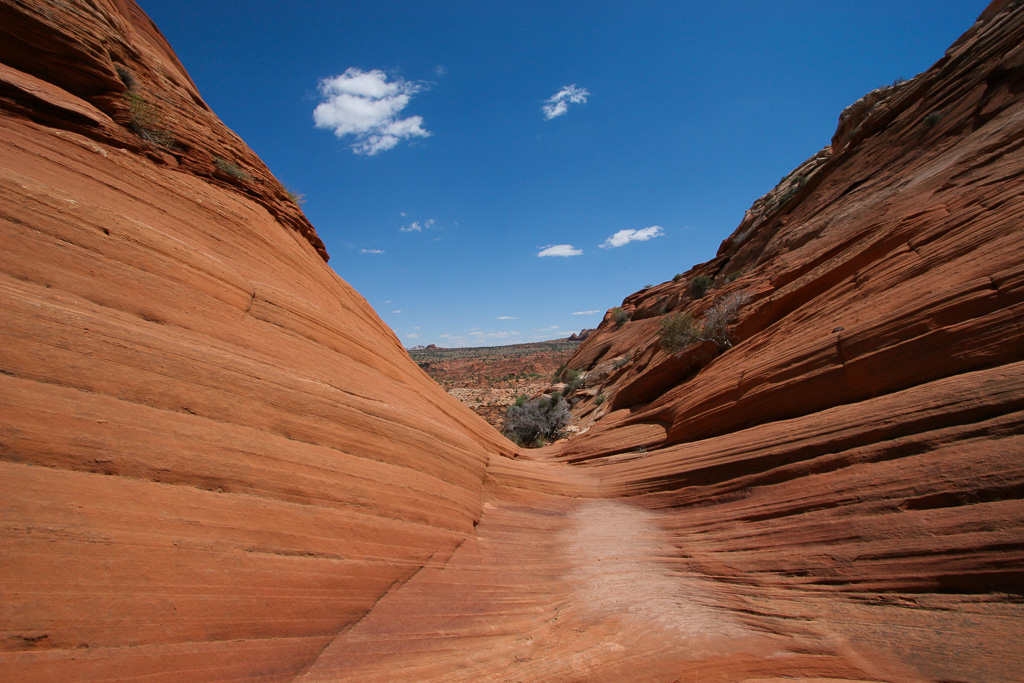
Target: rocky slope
(860, 445)
(218, 463)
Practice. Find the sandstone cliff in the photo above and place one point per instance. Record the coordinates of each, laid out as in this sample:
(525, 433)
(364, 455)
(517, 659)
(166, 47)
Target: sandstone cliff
(218, 463)
(215, 456)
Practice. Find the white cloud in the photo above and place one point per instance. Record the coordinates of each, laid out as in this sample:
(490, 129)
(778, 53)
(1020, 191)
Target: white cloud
(558, 104)
(624, 237)
(506, 317)
(416, 226)
(548, 329)
(586, 312)
(398, 311)
(413, 335)
(559, 250)
(366, 106)
(371, 251)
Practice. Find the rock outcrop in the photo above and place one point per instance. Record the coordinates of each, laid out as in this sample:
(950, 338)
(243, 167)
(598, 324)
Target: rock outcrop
(216, 462)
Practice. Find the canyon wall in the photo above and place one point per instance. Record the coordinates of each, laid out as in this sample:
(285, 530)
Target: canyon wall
(213, 454)
(216, 462)
(860, 443)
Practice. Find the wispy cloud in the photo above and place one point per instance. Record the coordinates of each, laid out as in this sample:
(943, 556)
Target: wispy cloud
(371, 251)
(413, 335)
(506, 317)
(398, 311)
(366, 106)
(624, 237)
(559, 250)
(586, 312)
(478, 335)
(547, 329)
(558, 104)
(416, 226)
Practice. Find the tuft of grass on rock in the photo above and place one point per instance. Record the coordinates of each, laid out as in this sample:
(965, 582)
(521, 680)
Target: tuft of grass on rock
(233, 170)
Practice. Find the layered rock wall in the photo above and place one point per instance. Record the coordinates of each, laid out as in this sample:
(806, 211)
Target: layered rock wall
(857, 451)
(214, 457)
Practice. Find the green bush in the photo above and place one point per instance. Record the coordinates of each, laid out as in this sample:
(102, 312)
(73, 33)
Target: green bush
(573, 381)
(699, 286)
(679, 331)
(677, 277)
(620, 316)
(599, 399)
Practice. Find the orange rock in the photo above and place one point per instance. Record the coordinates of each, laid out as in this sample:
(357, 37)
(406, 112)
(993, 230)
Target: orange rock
(218, 463)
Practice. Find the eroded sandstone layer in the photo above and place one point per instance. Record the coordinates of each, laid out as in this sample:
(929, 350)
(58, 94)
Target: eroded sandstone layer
(217, 463)
(215, 456)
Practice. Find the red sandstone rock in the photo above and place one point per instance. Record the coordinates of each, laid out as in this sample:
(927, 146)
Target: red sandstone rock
(218, 463)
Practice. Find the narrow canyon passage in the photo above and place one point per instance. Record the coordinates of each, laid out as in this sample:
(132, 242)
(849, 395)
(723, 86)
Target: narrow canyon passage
(560, 584)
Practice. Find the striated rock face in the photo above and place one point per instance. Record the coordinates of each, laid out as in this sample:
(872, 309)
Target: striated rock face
(217, 463)
(859, 448)
(215, 457)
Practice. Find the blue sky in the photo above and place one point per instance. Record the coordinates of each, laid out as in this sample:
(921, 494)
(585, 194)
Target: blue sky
(474, 136)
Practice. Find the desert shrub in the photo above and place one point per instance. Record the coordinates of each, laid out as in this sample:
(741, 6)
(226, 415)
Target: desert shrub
(143, 119)
(297, 197)
(678, 331)
(574, 381)
(720, 316)
(677, 277)
(932, 119)
(599, 399)
(699, 286)
(620, 316)
(233, 170)
(534, 422)
(681, 330)
(557, 375)
(621, 362)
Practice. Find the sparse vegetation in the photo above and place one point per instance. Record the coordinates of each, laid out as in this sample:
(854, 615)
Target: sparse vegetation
(621, 362)
(620, 316)
(681, 331)
(677, 277)
(143, 119)
(932, 118)
(297, 198)
(574, 381)
(535, 422)
(233, 170)
(699, 286)
(599, 399)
